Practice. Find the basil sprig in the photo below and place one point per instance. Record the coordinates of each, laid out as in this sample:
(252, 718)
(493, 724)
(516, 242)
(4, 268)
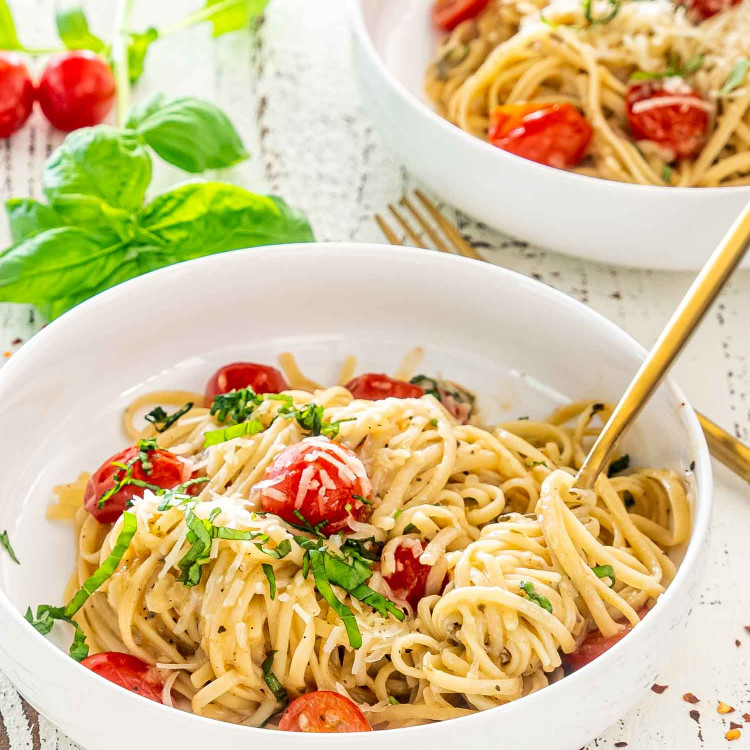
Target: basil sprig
(531, 593)
(46, 614)
(6, 545)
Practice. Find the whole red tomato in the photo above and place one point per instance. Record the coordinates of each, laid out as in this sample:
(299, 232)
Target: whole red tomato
(76, 90)
(16, 94)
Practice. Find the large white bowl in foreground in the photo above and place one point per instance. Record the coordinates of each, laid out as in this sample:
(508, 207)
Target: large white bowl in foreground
(523, 346)
(612, 222)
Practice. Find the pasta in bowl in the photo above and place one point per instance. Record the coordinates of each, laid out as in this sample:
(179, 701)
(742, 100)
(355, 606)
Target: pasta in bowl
(367, 551)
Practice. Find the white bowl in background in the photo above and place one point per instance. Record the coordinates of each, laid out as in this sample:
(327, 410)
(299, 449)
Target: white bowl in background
(521, 345)
(613, 222)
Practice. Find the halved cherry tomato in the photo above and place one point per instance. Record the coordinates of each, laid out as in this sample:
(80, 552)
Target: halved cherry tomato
(16, 94)
(323, 711)
(318, 479)
(127, 671)
(681, 127)
(374, 386)
(447, 14)
(76, 90)
(553, 134)
(233, 377)
(410, 577)
(166, 471)
(700, 10)
(595, 644)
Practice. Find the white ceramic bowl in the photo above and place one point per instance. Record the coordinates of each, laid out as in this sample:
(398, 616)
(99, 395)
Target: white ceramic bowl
(612, 222)
(523, 346)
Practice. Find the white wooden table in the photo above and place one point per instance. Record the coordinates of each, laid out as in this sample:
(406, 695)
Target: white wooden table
(292, 94)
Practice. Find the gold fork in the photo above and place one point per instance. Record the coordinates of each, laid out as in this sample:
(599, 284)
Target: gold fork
(446, 237)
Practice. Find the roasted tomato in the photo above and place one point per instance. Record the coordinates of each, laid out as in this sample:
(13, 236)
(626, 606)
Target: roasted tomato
(669, 113)
(161, 468)
(447, 14)
(261, 378)
(374, 386)
(127, 671)
(700, 10)
(553, 134)
(595, 644)
(16, 94)
(77, 89)
(316, 480)
(323, 711)
(410, 577)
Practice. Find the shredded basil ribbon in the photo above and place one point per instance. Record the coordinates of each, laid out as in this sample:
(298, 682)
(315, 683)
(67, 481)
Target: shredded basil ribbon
(605, 571)
(163, 421)
(244, 429)
(271, 576)
(528, 588)
(273, 682)
(6, 545)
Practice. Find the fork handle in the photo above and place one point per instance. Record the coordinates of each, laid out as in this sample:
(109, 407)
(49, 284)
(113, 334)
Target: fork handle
(726, 448)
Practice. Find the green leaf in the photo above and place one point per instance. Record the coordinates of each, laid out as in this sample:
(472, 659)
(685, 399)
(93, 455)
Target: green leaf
(273, 682)
(233, 15)
(528, 588)
(163, 421)
(271, 576)
(204, 218)
(605, 571)
(6, 545)
(8, 36)
(105, 163)
(215, 437)
(138, 45)
(735, 77)
(73, 30)
(29, 217)
(190, 133)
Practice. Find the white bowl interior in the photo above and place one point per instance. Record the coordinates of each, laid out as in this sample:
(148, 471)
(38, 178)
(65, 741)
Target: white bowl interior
(523, 347)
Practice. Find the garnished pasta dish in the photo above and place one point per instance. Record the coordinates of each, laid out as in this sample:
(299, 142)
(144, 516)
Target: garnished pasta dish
(653, 92)
(371, 555)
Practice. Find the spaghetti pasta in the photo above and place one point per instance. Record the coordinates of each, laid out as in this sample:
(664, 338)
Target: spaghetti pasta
(517, 565)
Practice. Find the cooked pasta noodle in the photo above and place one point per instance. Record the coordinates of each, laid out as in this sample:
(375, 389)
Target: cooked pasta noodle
(510, 545)
(519, 51)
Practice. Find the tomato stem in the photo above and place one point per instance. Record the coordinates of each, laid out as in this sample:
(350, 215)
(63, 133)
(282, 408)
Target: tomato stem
(123, 12)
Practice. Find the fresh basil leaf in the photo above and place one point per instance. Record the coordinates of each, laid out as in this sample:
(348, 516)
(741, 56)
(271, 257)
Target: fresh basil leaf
(8, 547)
(281, 550)
(204, 218)
(271, 576)
(605, 571)
(73, 30)
(190, 133)
(377, 601)
(235, 406)
(233, 15)
(215, 437)
(103, 162)
(29, 217)
(138, 45)
(163, 421)
(273, 682)
(736, 77)
(528, 588)
(8, 36)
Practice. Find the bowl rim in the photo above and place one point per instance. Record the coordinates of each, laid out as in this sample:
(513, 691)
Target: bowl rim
(119, 294)
(504, 159)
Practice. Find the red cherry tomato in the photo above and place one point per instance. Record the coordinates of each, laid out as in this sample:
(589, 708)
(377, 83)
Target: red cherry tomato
(447, 14)
(681, 127)
(553, 134)
(318, 479)
(166, 471)
(127, 671)
(374, 386)
(700, 10)
(76, 90)
(595, 644)
(261, 378)
(323, 711)
(410, 577)
(16, 94)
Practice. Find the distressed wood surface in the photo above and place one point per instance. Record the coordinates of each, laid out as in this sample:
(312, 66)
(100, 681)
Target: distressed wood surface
(290, 89)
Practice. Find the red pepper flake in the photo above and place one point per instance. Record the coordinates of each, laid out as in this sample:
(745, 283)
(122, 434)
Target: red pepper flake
(695, 715)
(724, 708)
(737, 642)
(690, 698)
(659, 689)
(747, 627)
(621, 744)
(746, 717)
(16, 341)
(734, 725)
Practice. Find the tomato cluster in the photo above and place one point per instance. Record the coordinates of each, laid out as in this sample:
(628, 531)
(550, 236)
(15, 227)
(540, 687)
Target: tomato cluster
(76, 89)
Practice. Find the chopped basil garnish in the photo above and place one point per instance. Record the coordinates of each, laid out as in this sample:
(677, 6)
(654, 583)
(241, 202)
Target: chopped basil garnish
(46, 615)
(735, 77)
(273, 682)
(605, 571)
(532, 464)
(409, 528)
(244, 429)
(528, 588)
(674, 69)
(163, 421)
(6, 545)
(235, 406)
(613, 10)
(271, 576)
(362, 499)
(392, 701)
(621, 464)
(124, 475)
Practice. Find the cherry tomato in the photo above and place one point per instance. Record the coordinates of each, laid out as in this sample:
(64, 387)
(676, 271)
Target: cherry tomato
(127, 671)
(595, 644)
(318, 479)
(374, 386)
(447, 14)
(166, 471)
(553, 134)
(700, 10)
(16, 94)
(76, 90)
(323, 711)
(681, 127)
(410, 577)
(261, 378)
